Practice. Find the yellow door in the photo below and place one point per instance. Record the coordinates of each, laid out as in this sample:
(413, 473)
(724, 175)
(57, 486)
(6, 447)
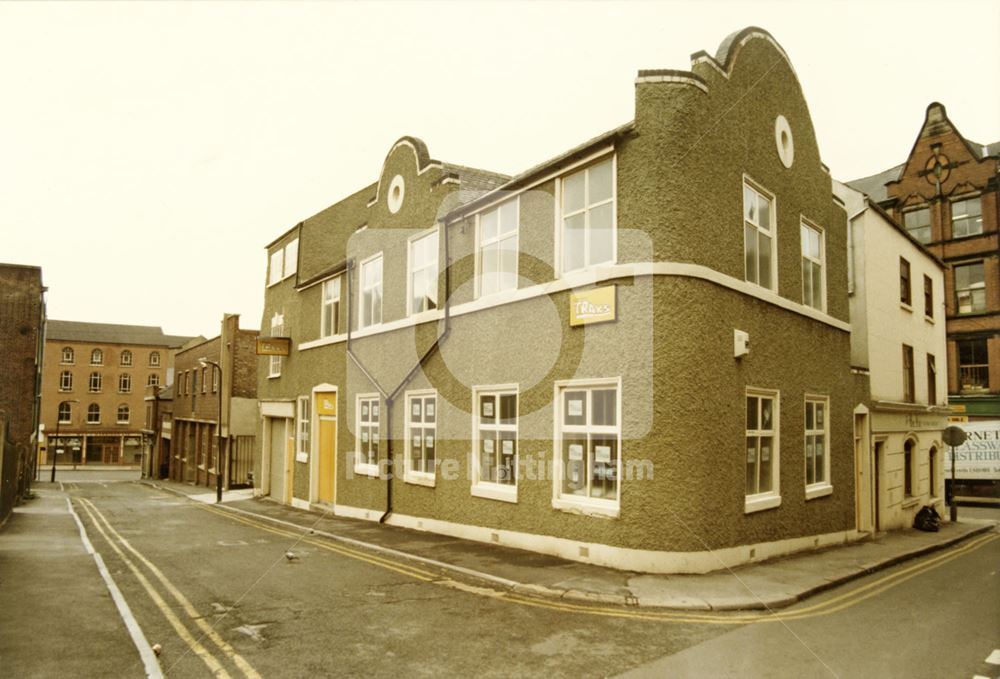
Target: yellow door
(326, 468)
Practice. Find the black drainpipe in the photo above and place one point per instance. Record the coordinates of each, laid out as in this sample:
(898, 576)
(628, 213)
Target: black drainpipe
(390, 398)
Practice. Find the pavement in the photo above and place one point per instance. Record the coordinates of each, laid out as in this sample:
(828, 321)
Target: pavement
(771, 584)
(46, 628)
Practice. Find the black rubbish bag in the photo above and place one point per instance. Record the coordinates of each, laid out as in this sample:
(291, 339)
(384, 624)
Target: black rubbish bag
(927, 519)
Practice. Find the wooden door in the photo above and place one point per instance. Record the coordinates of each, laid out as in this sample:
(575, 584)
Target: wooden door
(326, 449)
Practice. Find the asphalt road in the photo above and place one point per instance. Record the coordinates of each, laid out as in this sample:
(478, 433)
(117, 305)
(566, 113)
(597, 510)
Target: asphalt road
(221, 598)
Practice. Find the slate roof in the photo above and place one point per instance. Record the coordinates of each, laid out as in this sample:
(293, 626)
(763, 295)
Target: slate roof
(111, 333)
(874, 185)
(474, 181)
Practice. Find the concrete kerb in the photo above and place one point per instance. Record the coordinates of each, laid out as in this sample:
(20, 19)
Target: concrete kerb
(628, 600)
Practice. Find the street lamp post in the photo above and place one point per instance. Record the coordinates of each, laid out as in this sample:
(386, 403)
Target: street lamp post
(219, 468)
(55, 451)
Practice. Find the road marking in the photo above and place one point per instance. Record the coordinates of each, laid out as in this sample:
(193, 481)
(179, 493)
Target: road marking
(404, 569)
(217, 669)
(149, 661)
(832, 605)
(192, 612)
(994, 658)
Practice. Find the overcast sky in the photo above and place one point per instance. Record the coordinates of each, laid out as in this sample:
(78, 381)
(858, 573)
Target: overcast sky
(149, 152)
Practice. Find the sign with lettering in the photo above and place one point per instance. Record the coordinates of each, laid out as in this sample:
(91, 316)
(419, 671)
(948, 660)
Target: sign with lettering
(592, 306)
(274, 346)
(326, 403)
(979, 456)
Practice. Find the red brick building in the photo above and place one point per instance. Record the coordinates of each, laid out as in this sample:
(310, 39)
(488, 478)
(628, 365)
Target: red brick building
(94, 379)
(22, 320)
(946, 195)
(213, 374)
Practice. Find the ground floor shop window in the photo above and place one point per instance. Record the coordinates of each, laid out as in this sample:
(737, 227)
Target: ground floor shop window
(495, 442)
(589, 442)
(761, 449)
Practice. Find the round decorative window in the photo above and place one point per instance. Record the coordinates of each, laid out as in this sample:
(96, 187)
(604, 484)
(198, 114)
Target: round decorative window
(396, 190)
(783, 140)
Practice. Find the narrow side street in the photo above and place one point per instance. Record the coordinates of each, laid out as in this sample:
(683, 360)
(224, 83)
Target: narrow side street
(226, 594)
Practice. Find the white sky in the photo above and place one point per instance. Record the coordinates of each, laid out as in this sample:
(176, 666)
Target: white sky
(149, 152)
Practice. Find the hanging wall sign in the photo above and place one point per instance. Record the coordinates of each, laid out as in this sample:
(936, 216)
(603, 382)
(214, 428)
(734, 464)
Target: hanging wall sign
(274, 346)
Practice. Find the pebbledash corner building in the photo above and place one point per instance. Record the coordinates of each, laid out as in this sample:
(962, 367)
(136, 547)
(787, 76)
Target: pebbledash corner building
(636, 354)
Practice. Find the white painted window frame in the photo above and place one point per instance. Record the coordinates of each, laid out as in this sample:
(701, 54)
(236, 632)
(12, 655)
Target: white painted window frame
(125, 383)
(584, 166)
(154, 359)
(771, 498)
(97, 357)
(69, 413)
(820, 262)
(419, 477)
(488, 489)
(330, 307)
(68, 356)
(411, 268)
(118, 414)
(275, 267)
(824, 487)
(366, 468)
(772, 231)
(600, 507)
(274, 362)
(303, 428)
(291, 257)
(66, 381)
(964, 199)
(95, 408)
(482, 243)
(125, 359)
(363, 291)
(95, 383)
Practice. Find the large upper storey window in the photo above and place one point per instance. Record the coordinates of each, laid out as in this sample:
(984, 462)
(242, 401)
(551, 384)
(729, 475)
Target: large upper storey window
(966, 217)
(283, 262)
(758, 236)
(424, 273)
(371, 292)
(970, 288)
(918, 224)
(497, 254)
(330, 313)
(588, 217)
(812, 266)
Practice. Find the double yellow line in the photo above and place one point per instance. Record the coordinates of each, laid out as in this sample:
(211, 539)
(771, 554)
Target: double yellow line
(831, 605)
(106, 530)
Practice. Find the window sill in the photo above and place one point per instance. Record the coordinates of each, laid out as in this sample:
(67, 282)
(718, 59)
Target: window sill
(910, 501)
(272, 377)
(818, 490)
(301, 457)
(758, 503)
(495, 491)
(906, 307)
(420, 479)
(423, 316)
(364, 469)
(588, 507)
